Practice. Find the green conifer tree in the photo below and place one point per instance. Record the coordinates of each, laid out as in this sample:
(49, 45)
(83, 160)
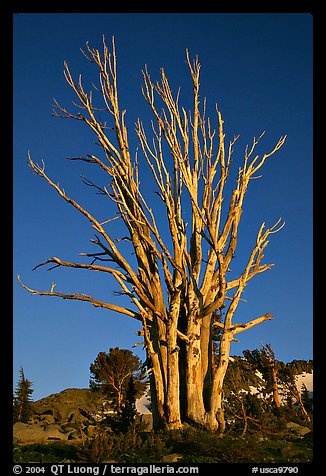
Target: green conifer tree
(128, 411)
(111, 372)
(22, 400)
(306, 398)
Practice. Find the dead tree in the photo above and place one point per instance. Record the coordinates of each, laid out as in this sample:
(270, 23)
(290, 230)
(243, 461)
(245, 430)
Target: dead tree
(176, 292)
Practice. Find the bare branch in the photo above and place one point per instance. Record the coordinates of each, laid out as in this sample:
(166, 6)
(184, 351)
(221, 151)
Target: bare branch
(253, 168)
(82, 297)
(237, 328)
(92, 267)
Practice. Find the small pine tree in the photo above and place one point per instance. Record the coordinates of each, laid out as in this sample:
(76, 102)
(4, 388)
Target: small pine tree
(129, 412)
(306, 399)
(124, 419)
(22, 400)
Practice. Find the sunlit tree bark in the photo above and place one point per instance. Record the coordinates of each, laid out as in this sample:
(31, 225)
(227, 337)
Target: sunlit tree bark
(179, 287)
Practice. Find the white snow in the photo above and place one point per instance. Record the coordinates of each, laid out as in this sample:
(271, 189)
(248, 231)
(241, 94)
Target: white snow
(143, 403)
(307, 379)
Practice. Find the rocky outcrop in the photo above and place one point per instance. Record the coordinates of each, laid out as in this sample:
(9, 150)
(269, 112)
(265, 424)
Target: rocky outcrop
(70, 415)
(297, 430)
(63, 416)
(73, 405)
(37, 432)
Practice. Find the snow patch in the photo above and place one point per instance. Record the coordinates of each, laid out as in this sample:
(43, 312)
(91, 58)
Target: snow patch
(143, 403)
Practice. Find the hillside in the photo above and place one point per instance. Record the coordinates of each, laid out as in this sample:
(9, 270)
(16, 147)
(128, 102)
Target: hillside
(70, 405)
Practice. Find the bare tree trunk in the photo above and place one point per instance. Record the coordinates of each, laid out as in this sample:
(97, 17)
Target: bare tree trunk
(157, 372)
(218, 379)
(195, 379)
(303, 410)
(276, 395)
(173, 383)
(245, 419)
(207, 358)
(297, 395)
(119, 399)
(20, 410)
(157, 402)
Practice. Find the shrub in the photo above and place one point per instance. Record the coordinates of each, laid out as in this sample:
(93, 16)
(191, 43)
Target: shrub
(44, 453)
(129, 447)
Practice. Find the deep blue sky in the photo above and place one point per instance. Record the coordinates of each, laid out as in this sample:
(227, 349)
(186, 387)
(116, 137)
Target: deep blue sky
(258, 68)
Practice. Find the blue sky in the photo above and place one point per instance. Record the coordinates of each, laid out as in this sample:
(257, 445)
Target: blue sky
(258, 68)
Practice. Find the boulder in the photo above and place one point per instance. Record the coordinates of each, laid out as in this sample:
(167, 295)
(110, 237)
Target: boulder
(37, 433)
(54, 433)
(171, 458)
(53, 427)
(73, 434)
(28, 433)
(298, 430)
(34, 419)
(19, 426)
(47, 419)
